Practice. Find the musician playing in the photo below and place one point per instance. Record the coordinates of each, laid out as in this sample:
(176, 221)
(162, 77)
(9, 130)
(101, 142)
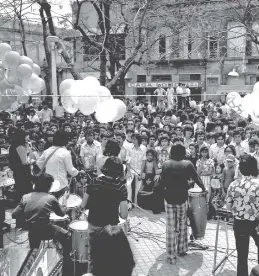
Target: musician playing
(174, 179)
(242, 199)
(35, 208)
(106, 199)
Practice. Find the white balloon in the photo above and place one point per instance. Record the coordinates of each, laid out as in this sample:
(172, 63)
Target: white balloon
(31, 83)
(88, 103)
(65, 84)
(121, 109)
(11, 60)
(92, 81)
(12, 76)
(24, 71)
(4, 48)
(26, 60)
(23, 98)
(67, 102)
(104, 93)
(106, 111)
(247, 105)
(36, 69)
(14, 106)
(77, 90)
(19, 90)
(234, 101)
(256, 87)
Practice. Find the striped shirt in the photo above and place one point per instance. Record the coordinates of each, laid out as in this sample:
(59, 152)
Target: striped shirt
(105, 196)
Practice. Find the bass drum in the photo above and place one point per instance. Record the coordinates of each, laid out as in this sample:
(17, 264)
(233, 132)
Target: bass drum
(198, 212)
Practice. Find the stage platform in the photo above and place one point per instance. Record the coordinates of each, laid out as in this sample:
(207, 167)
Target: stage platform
(147, 238)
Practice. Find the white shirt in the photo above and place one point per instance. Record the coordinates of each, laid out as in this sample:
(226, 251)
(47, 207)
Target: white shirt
(217, 153)
(45, 115)
(179, 90)
(59, 164)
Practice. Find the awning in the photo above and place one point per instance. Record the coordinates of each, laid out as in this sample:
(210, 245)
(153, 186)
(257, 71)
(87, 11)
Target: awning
(225, 89)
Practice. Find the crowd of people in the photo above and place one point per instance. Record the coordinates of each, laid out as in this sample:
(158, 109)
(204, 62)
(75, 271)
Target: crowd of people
(130, 158)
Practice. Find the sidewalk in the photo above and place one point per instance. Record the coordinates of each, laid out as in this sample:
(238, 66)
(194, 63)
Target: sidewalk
(147, 239)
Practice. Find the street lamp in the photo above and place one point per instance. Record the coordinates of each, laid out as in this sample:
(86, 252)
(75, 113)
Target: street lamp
(52, 41)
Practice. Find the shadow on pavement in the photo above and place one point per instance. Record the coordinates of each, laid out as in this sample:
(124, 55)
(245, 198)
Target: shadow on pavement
(188, 265)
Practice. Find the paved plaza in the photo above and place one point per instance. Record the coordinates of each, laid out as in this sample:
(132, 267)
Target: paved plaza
(147, 238)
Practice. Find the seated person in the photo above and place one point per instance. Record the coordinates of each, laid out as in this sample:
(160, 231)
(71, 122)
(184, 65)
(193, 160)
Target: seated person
(120, 262)
(35, 208)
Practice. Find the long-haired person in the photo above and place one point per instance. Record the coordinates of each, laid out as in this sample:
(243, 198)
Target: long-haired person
(111, 253)
(106, 199)
(60, 163)
(19, 163)
(242, 199)
(174, 178)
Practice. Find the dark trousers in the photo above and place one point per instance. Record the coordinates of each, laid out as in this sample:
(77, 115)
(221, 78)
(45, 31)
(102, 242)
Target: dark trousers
(180, 102)
(243, 229)
(37, 234)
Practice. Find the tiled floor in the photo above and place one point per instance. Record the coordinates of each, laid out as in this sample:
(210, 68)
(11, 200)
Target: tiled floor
(147, 238)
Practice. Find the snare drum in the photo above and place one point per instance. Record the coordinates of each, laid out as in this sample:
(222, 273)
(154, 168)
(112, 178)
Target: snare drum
(79, 235)
(59, 221)
(73, 202)
(125, 225)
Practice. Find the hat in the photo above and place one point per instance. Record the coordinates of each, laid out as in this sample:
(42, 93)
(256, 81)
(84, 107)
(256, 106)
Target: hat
(230, 158)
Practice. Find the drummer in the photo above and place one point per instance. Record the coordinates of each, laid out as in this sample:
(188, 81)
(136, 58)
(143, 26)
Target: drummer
(106, 199)
(36, 207)
(60, 163)
(174, 178)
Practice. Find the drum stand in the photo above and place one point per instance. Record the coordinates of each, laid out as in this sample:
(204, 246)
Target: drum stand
(228, 252)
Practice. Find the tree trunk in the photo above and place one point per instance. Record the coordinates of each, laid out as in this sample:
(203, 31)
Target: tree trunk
(103, 64)
(22, 34)
(46, 69)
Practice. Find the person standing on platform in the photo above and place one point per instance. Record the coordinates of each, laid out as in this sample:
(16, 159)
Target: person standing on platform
(242, 199)
(171, 99)
(174, 179)
(179, 93)
(160, 93)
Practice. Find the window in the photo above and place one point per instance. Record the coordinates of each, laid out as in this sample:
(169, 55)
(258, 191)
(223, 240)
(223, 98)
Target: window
(212, 81)
(195, 77)
(141, 78)
(161, 78)
(189, 77)
(213, 47)
(162, 45)
(236, 39)
(184, 77)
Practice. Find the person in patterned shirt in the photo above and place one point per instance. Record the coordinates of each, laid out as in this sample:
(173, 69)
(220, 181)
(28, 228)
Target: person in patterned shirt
(243, 200)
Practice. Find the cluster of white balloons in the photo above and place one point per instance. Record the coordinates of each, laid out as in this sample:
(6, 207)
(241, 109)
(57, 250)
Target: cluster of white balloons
(19, 78)
(89, 96)
(248, 105)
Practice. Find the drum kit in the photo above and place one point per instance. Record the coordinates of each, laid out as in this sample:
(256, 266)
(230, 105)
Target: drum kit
(78, 228)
